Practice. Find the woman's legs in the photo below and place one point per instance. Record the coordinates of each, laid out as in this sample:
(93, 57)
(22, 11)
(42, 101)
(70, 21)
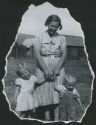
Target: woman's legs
(52, 112)
(47, 115)
(47, 112)
(56, 112)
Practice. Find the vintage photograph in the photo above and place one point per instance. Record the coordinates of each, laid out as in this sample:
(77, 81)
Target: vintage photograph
(48, 75)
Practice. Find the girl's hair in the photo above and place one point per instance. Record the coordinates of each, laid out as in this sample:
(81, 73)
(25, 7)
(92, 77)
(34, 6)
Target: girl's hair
(21, 67)
(53, 18)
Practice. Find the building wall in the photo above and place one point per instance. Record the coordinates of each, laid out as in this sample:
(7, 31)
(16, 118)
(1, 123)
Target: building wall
(75, 52)
(75, 47)
(72, 52)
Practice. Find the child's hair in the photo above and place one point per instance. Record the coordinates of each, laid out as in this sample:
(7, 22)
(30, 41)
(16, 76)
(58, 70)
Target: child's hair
(70, 78)
(53, 18)
(22, 67)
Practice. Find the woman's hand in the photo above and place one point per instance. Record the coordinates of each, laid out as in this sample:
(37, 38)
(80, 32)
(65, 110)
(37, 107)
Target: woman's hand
(15, 101)
(61, 89)
(48, 75)
(56, 73)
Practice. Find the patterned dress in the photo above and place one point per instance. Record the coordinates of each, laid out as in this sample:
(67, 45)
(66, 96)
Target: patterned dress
(51, 53)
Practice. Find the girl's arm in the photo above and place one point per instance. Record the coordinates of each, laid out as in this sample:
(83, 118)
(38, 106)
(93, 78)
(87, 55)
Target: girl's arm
(17, 90)
(61, 61)
(37, 48)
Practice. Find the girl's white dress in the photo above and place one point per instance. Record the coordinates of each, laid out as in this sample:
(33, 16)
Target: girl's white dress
(26, 99)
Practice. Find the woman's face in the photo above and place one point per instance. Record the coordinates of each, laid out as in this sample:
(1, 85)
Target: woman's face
(53, 27)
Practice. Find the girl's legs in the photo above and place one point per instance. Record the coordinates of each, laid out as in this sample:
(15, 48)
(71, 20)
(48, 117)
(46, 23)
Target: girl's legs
(25, 114)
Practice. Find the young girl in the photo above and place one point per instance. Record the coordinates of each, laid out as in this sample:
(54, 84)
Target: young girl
(71, 106)
(25, 99)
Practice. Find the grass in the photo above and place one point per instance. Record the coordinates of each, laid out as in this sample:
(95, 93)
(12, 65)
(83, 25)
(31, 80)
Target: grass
(78, 68)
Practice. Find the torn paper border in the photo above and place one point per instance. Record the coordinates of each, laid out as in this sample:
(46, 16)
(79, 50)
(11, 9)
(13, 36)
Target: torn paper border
(25, 28)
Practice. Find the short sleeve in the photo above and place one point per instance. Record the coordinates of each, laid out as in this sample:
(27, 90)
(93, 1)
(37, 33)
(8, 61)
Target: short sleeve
(37, 42)
(29, 42)
(18, 81)
(63, 40)
(34, 78)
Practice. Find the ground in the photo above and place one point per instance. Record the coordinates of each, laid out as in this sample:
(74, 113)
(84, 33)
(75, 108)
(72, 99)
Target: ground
(78, 68)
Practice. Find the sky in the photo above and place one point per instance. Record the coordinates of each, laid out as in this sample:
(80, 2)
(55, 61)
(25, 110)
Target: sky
(34, 18)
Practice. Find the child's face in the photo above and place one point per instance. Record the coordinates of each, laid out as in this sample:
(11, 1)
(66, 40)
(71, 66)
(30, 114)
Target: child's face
(25, 74)
(70, 85)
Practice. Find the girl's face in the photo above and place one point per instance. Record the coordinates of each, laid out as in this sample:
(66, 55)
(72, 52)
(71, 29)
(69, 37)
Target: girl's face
(53, 27)
(25, 74)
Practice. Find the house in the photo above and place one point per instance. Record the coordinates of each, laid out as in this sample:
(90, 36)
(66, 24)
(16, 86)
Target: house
(75, 46)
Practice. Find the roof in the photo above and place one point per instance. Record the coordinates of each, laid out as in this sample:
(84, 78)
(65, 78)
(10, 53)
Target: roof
(71, 40)
(74, 40)
(22, 37)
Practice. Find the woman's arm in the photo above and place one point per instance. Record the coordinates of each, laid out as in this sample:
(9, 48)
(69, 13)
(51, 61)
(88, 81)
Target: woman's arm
(62, 59)
(63, 48)
(37, 48)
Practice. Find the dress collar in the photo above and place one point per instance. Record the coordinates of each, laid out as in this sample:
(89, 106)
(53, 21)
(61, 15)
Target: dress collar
(55, 35)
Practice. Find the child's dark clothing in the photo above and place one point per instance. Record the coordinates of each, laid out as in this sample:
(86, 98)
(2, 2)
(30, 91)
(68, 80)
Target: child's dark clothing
(70, 109)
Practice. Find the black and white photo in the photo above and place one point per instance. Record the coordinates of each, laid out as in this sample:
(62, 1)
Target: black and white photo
(48, 74)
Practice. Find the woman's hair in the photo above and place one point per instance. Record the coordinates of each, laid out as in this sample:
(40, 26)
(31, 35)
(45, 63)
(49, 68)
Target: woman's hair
(53, 18)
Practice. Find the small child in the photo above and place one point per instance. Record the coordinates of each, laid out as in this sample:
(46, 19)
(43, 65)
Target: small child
(70, 106)
(25, 99)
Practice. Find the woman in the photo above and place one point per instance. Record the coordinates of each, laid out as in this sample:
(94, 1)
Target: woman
(50, 52)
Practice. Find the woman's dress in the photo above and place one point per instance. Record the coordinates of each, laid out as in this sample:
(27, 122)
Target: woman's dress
(51, 53)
